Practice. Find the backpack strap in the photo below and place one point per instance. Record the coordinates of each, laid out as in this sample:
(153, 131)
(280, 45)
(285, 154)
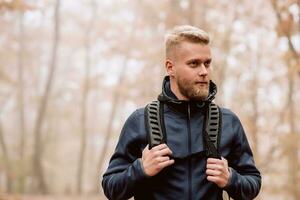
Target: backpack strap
(154, 122)
(156, 133)
(211, 133)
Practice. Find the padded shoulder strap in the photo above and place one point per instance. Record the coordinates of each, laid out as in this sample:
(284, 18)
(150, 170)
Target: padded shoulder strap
(155, 127)
(154, 122)
(212, 131)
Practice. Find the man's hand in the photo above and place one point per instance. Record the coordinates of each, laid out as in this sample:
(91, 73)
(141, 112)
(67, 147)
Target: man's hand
(156, 159)
(217, 171)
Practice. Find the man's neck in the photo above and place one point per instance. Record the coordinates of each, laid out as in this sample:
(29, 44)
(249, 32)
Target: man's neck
(174, 88)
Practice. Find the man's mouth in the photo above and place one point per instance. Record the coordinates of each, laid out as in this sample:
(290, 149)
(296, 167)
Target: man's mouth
(202, 82)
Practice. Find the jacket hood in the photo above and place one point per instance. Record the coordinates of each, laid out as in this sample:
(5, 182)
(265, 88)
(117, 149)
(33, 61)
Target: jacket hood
(167, 96)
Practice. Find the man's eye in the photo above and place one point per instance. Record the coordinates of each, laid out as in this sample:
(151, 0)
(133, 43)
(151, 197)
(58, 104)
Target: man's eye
(207, 64)
(193, 64)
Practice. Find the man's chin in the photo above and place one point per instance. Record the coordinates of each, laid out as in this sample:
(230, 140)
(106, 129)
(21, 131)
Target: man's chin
(200, 96)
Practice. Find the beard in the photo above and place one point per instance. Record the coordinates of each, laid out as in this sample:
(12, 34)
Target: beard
(192, 91)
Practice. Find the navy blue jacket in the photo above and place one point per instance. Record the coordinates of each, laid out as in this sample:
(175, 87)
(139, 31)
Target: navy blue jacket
(186, 178)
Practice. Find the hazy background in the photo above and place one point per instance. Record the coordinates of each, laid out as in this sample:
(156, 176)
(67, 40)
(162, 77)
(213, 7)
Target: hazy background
(72, 71)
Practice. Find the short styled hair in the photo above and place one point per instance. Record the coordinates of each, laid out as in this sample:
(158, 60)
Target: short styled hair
(184, 33)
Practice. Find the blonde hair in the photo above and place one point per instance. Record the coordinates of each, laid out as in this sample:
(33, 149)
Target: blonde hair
(184, 33)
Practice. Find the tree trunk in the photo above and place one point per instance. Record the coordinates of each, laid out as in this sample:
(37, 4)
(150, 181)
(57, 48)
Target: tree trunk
(221, 70)
(286, 33)
(112, 115)
(254, 101)
(38, 146)
(114, 108)
(84, 104)
(7, 165)
(83, 123)
(293, 151)
(21, 180)
(292, 156)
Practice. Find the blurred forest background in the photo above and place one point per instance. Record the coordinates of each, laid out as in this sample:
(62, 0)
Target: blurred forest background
(72, 71)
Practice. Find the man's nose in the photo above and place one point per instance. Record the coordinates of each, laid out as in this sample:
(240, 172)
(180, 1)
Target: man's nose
(203, 70)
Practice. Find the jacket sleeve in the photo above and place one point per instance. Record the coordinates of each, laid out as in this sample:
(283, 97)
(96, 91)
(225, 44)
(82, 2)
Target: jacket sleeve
(125, 171)
(245, 181)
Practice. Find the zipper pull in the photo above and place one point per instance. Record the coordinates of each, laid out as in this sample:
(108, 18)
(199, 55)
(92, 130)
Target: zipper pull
(189, 111)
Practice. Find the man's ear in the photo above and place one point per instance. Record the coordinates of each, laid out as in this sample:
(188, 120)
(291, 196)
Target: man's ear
(170, 67)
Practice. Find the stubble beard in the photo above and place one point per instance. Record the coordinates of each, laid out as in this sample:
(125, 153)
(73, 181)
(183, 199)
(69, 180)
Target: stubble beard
(192, 91)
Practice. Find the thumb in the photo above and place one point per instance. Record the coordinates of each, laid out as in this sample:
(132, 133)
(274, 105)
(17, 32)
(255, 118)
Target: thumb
(146, 149)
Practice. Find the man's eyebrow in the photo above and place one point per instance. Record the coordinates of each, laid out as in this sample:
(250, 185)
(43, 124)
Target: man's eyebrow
(199, 60)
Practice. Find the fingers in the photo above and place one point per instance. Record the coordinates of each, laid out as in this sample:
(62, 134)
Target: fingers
(163, 159)
(163, 152)
(159, 150)
(217, 171)
(155, 159)
(215, 161)
(214, 166)
(166, 163)
(211, 172)
(159, 147)
(217, 164)
(214, 179)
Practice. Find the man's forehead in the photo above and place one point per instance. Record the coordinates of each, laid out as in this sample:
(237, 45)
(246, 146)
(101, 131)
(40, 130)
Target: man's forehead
(193, 49)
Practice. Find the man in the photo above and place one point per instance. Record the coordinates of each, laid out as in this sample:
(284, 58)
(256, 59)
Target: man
(179, 168)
